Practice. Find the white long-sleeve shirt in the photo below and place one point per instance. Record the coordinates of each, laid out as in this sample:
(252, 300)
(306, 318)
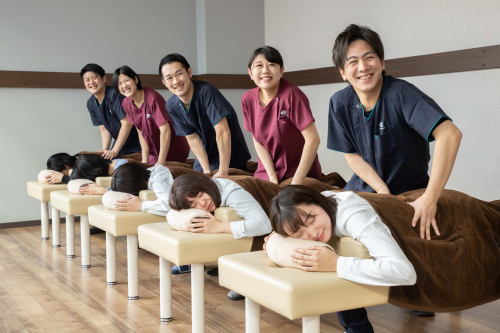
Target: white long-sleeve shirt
(255, 221)
(357, 219)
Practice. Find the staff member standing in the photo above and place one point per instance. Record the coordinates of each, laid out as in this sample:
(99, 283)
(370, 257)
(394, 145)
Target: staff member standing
(207, 120)
(384, 125)
(278, 115)
(146, 110)
(105, 108)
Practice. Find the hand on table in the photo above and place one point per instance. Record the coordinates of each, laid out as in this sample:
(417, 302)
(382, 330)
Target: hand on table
(54, 178)
(315, 259)
(425, 210)
(130, 204)
(92, 189)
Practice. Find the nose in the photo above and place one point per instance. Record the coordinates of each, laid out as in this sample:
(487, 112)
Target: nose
(265, 69)
(175, 80)
(362, 65)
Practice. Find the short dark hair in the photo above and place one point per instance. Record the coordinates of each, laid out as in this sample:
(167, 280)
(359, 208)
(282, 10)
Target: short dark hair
(170, 58)
(90, 166)
(92, 68)
(286, 218)
(269, 52)
(130, 178)
(58, 161)
(189, 186)
(352, 33)
(125, 70)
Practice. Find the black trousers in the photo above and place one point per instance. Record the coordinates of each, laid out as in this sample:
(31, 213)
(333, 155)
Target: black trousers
(355, 321)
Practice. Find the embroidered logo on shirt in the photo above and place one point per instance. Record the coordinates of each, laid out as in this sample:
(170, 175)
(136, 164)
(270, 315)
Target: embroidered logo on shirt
(110, 111)
(381, 125)
(148, 115)
(283, 114)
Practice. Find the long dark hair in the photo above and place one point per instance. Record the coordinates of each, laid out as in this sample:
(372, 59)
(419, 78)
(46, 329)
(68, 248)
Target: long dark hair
(90, 167)
(286, 218)
(130, 178)
(189, 186)
(58, 161)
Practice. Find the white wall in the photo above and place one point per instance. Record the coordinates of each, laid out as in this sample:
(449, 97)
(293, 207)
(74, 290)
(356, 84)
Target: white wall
(62, 36)
(304, 34)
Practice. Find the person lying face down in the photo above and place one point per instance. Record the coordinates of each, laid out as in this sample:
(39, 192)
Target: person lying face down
(303, 213)
(191, 189)
(61, 163)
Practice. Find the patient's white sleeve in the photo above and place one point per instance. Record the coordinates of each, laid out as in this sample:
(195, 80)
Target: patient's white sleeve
(390, 267)
(160, 182)
(255, 221)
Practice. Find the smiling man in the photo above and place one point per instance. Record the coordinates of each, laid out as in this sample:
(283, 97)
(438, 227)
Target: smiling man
(208, 121)
(105, 108)
(384, 125)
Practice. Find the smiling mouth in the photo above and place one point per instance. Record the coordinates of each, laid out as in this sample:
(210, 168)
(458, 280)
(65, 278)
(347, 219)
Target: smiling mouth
(365, 77)
(321, 236)
(93, 87)
(127, 90)
(266, 78)
(179, 87)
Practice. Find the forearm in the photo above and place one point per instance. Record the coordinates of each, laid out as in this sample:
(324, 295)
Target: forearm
(306, 161)
(224, 145)
(105, 138)
(122, 137)
(266, 159)
(165, 137)
(199, 151)
(365, 172)
(144, 148)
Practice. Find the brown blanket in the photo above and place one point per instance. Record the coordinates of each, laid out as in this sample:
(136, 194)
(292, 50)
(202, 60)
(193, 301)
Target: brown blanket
(455, 271)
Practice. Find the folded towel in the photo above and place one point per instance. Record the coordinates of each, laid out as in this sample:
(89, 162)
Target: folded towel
(179, 219)
(279, 248)
(74, 185)
(110, 198)
(43, 174)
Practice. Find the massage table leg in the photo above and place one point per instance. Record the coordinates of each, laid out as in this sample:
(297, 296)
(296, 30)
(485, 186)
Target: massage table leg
(111, 259)
(56, 228)
(310, 324)
(133, 267)
(70, 236)
(85, 240)
(198, 297)
(45, 220)
(165, 290)
(252, 316)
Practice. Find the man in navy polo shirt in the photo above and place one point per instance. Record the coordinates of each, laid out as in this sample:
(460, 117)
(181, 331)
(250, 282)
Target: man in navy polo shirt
(105, 108)
(383, 126)
(207, 120)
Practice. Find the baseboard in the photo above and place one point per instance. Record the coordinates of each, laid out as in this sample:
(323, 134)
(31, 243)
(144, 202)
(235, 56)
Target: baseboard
(24, 224)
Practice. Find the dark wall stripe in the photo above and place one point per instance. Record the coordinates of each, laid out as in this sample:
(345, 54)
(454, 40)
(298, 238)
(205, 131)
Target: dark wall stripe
(439, 63)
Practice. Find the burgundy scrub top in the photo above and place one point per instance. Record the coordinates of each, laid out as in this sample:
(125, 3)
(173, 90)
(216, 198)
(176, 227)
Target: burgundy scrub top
(148, 119)
(278, 126)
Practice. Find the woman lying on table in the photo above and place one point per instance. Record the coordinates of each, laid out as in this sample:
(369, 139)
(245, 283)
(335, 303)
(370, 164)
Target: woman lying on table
(303, 213)
(191, 189)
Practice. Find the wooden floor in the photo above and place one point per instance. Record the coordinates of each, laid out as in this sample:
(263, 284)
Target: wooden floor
(43, 291)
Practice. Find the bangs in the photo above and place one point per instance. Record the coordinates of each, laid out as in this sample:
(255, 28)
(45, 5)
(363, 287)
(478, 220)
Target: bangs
(289, 220)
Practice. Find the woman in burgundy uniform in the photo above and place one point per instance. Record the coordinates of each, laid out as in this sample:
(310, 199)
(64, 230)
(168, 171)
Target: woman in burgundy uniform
(278, 115)
(145, 108)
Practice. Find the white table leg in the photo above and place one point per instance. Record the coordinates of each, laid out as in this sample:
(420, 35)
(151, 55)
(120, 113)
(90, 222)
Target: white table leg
(198, 298)
(310, 324)
(45, 220)
(111, 258)
(70, 236)
(85, 240)
(165, 290)
(56, 228)
(133, 267)
(252, 316)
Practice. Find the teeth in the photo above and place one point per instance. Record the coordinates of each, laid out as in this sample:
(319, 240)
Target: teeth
(366, 77)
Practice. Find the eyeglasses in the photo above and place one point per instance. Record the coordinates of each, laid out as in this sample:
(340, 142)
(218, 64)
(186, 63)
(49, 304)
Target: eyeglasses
(91, 78)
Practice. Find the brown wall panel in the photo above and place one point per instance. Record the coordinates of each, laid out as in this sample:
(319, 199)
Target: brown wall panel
(439, 63)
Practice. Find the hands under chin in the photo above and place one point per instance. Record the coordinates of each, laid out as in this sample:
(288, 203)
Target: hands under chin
(208, 225)
(131, 204)
(55, 178)
(92, 189)
(315, 259)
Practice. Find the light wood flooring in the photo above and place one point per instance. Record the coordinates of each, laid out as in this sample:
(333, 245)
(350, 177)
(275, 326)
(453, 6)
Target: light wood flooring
(43, 291)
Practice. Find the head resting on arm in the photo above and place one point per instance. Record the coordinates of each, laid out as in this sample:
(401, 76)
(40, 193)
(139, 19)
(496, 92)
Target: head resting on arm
(301, 212)
(130, 178)
(90, 167)
(194, 191)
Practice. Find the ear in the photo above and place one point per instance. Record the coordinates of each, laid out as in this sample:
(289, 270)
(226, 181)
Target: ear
(104, 79)
(343, 74)
(164, 83)
(136, 80)
(281, 71)
(190, 72)
(250, 73)
(383, 64)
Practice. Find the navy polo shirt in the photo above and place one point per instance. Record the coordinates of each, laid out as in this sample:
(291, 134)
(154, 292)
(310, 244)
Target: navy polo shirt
(393, 139)
(109, 114)
(207, 108)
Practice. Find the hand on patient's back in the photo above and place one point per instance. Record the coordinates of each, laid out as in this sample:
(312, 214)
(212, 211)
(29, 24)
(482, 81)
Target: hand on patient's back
(131, 204)
(92, 189)
(266, 239)
(221, 173)
(108, 154)
(208, 225)
(315, 259)
(425, 210)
